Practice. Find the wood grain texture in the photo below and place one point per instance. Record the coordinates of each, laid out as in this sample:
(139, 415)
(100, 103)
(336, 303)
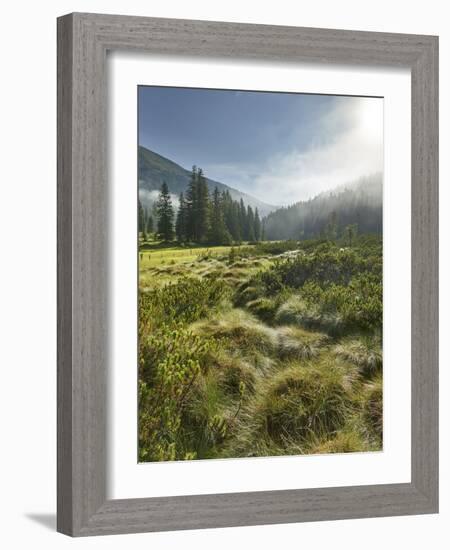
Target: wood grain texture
(83, 40)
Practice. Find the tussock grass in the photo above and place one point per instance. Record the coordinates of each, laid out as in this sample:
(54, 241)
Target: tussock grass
(240, 329)
(240, 263)
(299, 403)
(232, 371)
(246, 293)
(203, 420)
(304, 399)
(365, 353)
(373, 407)
(263, 308)
(343, 442)
(296, 311)
(298, 343)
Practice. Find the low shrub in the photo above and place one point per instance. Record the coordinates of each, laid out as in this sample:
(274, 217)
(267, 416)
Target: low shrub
(170, 361)
(182, 302)
(334, 308)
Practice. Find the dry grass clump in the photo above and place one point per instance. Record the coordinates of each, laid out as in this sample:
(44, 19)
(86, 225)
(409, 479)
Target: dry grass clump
(243, 262)
(264, 308)
(365, 353)
(246, 293)
(303, 400)
(297, 343)
(234, 373)
(343, 442)
(373, 407)
(295, 311)
(239, 329)
(298, 404)
(204, 416)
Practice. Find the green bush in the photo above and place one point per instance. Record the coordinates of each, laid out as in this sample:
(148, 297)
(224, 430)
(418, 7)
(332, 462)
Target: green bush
(328, 266)
(170, 362)
(336, 308)
(182, 302)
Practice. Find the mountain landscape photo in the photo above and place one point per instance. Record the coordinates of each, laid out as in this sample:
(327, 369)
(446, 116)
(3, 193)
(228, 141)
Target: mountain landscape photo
(260, 274)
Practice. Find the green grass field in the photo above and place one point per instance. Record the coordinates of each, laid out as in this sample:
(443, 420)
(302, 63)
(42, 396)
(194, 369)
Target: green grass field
(159, 266)
(259, 350)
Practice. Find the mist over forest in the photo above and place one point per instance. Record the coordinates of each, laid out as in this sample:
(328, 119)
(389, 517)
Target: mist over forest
(329, 213)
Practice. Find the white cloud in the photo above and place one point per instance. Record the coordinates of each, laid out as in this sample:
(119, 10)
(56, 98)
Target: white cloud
(354, 151)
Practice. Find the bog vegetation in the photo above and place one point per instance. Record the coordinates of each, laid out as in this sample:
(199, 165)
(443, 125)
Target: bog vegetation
(250, 347)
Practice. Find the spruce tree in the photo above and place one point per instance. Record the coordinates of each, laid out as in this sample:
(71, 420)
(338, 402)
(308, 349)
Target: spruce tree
(243, 221)
(250, 225)
(181, 223)
(141, 218)
(257, 226)
(191, 204)
(203, 211)
(165, 214)
(218, 232)
(235, 228)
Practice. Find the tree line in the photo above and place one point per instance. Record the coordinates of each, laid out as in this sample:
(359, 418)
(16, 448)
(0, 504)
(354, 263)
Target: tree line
(329, 215)
(202, 217)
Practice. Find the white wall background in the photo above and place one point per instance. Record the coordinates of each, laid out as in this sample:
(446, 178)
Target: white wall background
(28, 271)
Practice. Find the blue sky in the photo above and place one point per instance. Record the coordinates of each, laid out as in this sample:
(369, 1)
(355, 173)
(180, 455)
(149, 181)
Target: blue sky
(278, 147)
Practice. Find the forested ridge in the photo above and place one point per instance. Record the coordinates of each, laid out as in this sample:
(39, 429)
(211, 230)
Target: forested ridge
(329, 214)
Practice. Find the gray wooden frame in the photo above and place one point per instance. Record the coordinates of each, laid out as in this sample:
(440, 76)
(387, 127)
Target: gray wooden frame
(83, 40)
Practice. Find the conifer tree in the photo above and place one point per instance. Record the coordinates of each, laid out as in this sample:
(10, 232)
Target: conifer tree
(218, 233)
(181, 223)
(191, 204)
(243, 221)
(250, 225)
(141, 217)
(203, 211)
(165, 214)
(257, 226)
(235, 227)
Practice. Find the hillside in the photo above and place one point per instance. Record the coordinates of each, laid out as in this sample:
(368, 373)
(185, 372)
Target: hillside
(358, 202)
(154, 169)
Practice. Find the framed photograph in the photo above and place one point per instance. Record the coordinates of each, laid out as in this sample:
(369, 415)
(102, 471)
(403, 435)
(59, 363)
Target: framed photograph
(247, 274)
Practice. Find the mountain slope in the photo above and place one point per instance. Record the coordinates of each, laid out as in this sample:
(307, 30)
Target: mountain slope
(358, 202)
(154, 169)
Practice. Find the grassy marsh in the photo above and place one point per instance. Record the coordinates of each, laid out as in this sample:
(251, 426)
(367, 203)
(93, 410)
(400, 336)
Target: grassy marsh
(259, 350)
